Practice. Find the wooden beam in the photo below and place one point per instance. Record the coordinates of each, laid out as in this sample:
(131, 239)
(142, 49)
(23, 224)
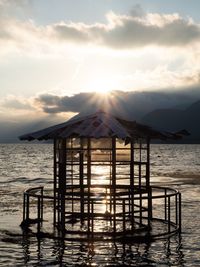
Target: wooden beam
(62, 181)
(55, 183)
(81, 182)
(114, 181)
(88, 180)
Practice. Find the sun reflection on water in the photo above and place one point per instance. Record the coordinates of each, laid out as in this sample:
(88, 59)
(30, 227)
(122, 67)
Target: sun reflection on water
(101, 176)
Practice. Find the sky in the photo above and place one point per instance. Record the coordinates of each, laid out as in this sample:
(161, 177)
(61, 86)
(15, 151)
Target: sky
(52, 51)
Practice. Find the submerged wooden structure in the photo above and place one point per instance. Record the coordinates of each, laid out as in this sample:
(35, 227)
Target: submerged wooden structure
(101, 184)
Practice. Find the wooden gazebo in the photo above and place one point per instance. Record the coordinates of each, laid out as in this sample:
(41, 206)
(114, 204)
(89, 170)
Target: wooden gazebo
(101, 182)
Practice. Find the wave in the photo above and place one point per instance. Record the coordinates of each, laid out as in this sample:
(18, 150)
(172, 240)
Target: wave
(26, 180)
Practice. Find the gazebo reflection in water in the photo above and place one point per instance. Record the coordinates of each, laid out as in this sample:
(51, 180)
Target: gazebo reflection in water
(101, 186)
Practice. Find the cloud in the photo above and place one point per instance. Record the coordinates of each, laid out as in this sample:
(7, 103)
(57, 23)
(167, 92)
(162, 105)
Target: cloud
(14, 2)
(132, 105)
(131, 31)
(74, 32)
(137, 11)
(50, 109)
(16, 103)
(14, 8)
(55, 104)
(160, 77)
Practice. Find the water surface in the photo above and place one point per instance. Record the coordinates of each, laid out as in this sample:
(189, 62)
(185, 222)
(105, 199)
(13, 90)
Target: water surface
(26, 165)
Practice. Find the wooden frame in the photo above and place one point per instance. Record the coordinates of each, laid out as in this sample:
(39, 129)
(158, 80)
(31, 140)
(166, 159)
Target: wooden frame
(79, 196)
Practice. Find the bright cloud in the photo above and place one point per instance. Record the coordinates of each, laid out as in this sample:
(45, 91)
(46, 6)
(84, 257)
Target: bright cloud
(120, 32)
(126, 52)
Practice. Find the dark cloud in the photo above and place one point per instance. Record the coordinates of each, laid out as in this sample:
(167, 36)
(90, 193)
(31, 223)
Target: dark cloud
(71, 32)
(137, 11)
(132, 105)
(56, 104)
(134, 33)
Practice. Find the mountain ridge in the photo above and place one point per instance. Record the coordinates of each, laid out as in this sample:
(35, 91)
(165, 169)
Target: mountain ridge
(174, 119)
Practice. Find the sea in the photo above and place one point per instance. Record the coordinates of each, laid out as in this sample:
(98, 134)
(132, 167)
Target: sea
(29, 165)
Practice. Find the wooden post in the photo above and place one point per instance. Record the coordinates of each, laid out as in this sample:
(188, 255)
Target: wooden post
(81, 160)
(150, 215)
(132, 183)
(55, 185)
(71, 174)
(114, 181)
(140, 165)
(38, 209)
(124, 214)
(169, 217)
(176, 209)
(140, 181)
(39, 214)
(62, 181)
(24, 207)
(42, 202)
(88, 180)
(165, 204)
(92, 216)
(180, 212)
(148, 163)
(110, 185)
(27, 207)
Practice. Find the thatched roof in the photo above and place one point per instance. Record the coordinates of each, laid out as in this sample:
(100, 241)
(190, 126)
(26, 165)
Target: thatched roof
(99, 125)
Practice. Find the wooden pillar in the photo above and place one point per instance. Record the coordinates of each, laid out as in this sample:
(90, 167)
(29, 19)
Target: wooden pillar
(148, 182)
(148, 163)
(180, 220)
(81, 173)
(140, 164)
(62, 181)
(55, 184)
(132, 183)
(132, 165)
(140, 180)
(169, 214)
(114, 181)
(110, 183)
(88, 180)
(71, 176)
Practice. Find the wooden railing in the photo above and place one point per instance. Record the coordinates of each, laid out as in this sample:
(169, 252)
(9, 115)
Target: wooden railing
(33, 194)
(166, 208)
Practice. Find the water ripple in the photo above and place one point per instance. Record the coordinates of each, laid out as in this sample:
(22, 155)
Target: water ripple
(22, 166)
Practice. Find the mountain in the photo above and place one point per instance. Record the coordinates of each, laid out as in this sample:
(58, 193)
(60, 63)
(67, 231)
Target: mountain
(175, 119)
(127, 105)
(11, 130)
(173, 111)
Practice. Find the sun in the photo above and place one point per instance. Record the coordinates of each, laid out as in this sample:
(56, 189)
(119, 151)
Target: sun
(103, 86)
(103, 90)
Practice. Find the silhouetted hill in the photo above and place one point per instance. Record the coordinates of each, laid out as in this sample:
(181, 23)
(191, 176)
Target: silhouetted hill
(174, 119)
(10, 131)
(172, 110)
(194, 108)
